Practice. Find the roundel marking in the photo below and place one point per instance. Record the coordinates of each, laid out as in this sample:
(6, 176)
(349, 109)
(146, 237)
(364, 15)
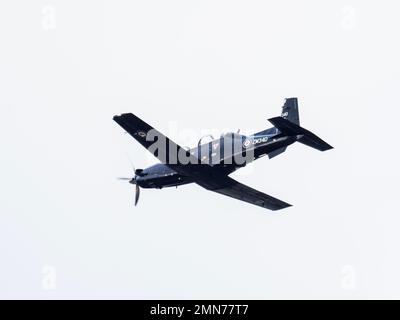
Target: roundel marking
(247, 143)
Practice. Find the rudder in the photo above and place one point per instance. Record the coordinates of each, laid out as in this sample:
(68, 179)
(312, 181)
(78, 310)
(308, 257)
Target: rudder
(290, 111)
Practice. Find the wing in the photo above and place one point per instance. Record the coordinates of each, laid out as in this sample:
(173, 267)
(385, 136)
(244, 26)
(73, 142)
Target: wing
(237, 190)
(167, 151)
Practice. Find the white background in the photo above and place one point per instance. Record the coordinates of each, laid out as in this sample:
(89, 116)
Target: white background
(69, 229)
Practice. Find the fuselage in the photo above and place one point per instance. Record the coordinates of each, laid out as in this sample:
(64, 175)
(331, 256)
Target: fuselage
(215, 154)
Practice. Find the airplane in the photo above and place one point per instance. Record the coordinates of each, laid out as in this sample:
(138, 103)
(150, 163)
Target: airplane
(210, 164)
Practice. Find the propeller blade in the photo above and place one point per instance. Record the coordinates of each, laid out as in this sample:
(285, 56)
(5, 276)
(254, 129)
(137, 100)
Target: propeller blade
(124, 178)
(137, 194)
(131, 162)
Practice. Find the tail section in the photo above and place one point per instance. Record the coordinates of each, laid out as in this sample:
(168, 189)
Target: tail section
(289, 124)
(303, 136)
(290, 111)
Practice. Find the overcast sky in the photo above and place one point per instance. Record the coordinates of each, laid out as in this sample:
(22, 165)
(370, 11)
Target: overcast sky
(69, 229)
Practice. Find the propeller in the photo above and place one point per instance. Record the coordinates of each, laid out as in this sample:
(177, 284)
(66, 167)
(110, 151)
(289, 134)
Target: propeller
(133, 181)
(137, 195)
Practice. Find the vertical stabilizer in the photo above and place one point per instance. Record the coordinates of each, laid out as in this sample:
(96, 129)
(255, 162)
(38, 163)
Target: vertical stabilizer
(290, 111)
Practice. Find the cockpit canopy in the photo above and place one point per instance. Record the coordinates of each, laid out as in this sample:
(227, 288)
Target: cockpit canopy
(210, 136)
(226, 136)
(232, 135)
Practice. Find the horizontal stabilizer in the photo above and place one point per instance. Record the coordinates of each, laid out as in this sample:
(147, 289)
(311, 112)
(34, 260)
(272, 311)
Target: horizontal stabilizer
(306, 137)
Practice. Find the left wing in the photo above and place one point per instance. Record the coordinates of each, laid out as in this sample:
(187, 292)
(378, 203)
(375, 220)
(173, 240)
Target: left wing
(237, 190)
(147, 136)
(166, 150)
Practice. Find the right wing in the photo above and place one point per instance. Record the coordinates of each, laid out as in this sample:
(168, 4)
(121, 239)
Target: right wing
(237, 190)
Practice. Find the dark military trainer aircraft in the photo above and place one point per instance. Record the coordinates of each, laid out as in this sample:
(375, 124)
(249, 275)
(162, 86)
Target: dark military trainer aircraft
(210, 164)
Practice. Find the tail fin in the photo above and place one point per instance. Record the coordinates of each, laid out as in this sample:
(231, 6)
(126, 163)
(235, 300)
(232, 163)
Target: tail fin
(290, 111)
(303, 136)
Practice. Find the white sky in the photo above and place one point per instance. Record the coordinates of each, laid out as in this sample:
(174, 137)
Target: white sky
(69, 228)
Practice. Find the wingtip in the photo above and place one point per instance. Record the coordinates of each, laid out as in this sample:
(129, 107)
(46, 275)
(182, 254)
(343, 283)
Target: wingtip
(328, 147)
(287, 205)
